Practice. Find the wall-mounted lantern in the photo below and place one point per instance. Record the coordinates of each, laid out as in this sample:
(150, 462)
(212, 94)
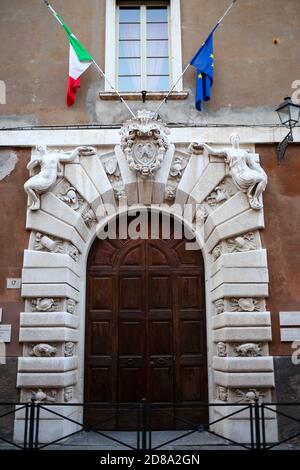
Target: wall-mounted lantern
(289, 114)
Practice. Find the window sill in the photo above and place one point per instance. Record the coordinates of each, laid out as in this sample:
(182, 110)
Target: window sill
(137, 96)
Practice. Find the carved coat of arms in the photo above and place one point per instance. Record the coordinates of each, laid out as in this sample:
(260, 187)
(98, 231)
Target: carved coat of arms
(144, 142)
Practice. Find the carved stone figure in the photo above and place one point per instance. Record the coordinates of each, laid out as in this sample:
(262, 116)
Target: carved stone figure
(217, 252)
(242, 243)
(69, 349)
(88, 216)
(71, 306)
(218, 196)
(120, 193)
(196, 149)
(73, 252)
(68, 394)
(144, 142)
(43, 350)
(221, 349)
(248, 396)
(40, 396)
(222, 393)
(220, 306)
(177, 167)
(112, 168)
(170, 193)
(49, 163)
(201, 214)
(69, 196)
(45, 304)
(43, 242)
(245, 305)
(246, 172)
(248, 350)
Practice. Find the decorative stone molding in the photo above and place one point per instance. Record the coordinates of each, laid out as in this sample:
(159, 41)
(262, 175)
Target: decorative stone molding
(219, 306)
(242, 243)
(248, 396)
(45, 305)
(246, 305)
(69, 349)
(70, 196)
(68, 394)
(43, 350)
(44, 243)
(221, 193)
(71, 306)
(248, 350)
(221, 349)
(169, 175)
(41, 396)
(178, 165)
(222, 393)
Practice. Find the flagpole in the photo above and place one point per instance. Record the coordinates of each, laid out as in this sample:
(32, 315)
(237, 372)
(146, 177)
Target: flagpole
(95, 64)
(188, 65)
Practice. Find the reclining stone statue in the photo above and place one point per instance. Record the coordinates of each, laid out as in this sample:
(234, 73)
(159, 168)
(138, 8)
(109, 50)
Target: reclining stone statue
(49, 163)
(245, 170)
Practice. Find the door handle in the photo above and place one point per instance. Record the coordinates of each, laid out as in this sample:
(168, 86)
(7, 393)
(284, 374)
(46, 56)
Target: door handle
(160, 361)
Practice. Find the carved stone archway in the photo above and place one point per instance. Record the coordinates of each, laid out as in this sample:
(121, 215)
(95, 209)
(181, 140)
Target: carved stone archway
(198, 186)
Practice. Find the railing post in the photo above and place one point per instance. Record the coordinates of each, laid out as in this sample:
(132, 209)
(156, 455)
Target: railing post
(31, 425)
(144, 422)
(26, 426)
(257, 424)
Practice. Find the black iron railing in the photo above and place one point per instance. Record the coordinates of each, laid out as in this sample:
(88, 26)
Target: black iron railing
(33, 419)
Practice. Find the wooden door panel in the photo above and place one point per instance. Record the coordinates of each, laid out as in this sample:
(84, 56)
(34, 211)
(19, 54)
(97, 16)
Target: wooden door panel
(101, 292)
(160, 337)
(190, 291)
(161, 384)
(131, 338)
(156, 257)
(133, 257)
(159, 292)
(131, 384)
(191, 383)
(145, 333)
(131, 293)
(101, 390)
(100, 338)
(190, 337)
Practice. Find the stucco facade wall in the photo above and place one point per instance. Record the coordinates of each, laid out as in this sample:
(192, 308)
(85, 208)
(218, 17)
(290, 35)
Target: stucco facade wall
(281, 236)
(254, 48)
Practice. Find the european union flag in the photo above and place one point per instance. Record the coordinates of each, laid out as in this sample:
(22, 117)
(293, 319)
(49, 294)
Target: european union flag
(204, 63)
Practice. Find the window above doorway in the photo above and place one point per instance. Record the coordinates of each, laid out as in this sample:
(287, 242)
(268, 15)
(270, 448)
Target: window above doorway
(143, 47)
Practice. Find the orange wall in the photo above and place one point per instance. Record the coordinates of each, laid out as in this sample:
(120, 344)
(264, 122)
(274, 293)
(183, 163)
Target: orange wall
(13, 240)
(281, 236)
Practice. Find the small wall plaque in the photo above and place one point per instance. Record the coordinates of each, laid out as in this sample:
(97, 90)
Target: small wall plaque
(5, 333)
(13, 283)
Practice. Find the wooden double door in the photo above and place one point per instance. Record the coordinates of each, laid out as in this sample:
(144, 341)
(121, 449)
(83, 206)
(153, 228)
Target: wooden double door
(145, 333)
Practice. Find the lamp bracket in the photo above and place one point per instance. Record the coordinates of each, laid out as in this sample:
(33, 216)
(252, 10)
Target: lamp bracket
(282, 146)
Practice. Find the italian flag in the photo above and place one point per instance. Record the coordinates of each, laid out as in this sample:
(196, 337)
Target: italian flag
(79, 62)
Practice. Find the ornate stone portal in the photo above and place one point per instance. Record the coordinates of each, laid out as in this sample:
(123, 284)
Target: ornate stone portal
(195, 184)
